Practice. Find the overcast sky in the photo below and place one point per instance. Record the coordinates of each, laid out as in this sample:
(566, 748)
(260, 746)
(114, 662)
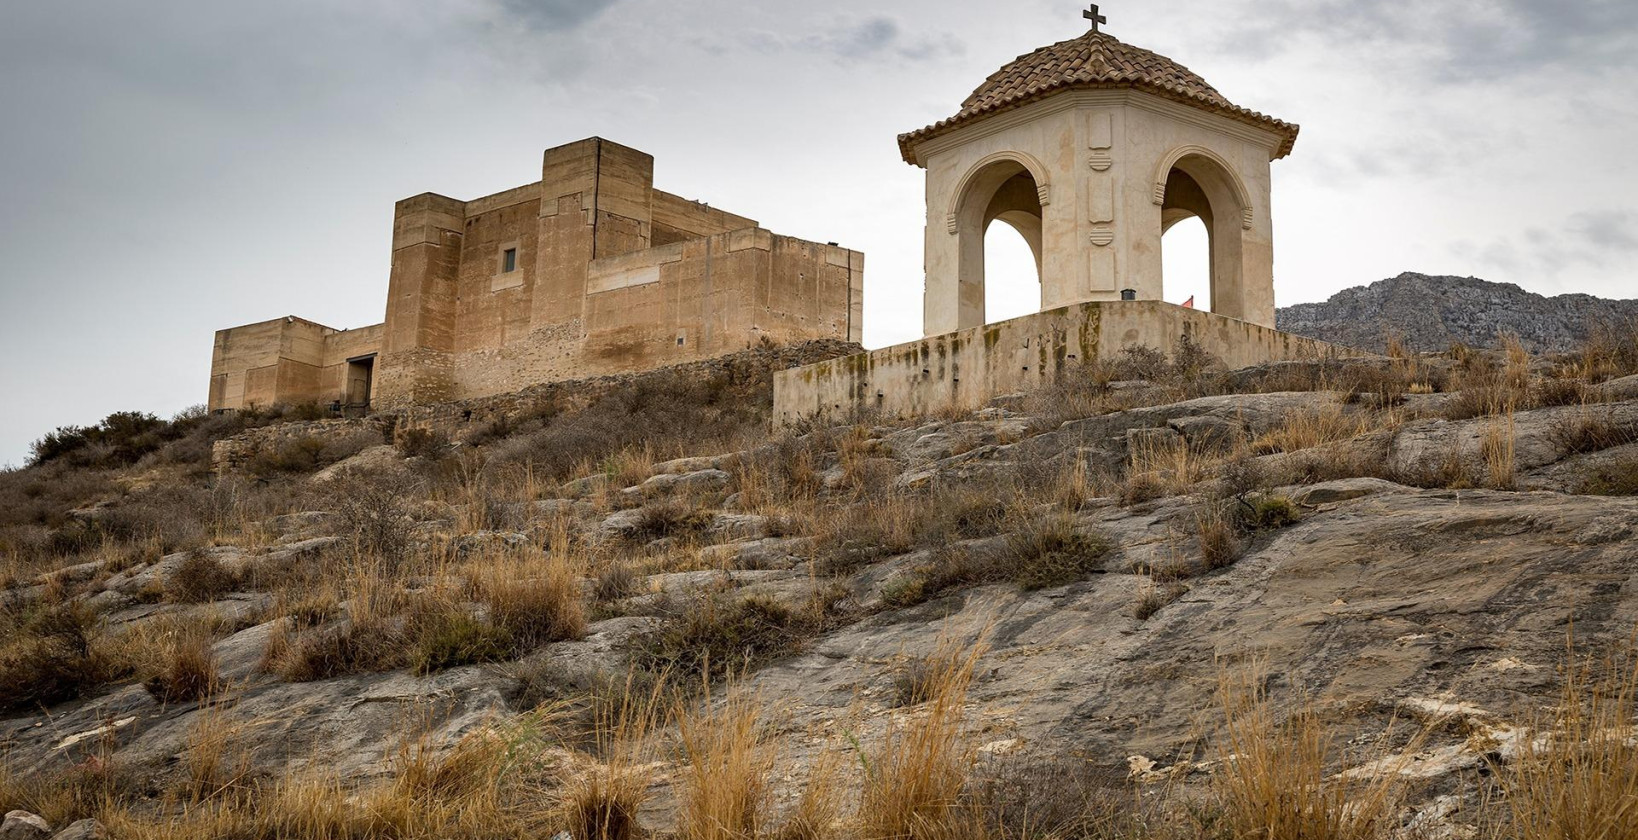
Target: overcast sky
(173, 167)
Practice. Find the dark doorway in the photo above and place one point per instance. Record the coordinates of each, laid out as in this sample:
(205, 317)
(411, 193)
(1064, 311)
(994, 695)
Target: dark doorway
(360, 374)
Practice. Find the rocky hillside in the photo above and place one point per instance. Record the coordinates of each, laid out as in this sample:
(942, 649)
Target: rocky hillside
(1428, 314)
(1001, 625)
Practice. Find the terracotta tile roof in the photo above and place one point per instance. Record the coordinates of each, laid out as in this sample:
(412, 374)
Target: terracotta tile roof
(1096, 60)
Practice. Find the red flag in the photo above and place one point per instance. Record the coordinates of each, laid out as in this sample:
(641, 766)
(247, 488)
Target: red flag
(1189, 304)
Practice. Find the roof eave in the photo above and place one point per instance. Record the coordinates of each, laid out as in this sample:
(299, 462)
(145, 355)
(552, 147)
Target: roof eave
(910, 140)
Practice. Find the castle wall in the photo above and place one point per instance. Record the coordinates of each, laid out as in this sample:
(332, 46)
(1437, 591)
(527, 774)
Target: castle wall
(286, 361)
(676, 218)
(678, 303)
(967, 368)
(610, 276)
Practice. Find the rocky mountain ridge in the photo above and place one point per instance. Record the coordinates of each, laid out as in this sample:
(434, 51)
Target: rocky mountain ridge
(1429, 313)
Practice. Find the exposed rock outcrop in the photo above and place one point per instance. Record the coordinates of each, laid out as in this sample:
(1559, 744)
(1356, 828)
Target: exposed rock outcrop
(1428, 313)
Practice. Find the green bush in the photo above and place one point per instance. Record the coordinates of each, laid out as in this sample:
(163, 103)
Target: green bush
(1265, 513)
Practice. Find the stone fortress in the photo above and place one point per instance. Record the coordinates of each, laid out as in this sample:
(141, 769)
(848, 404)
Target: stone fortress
(586, 272)
(1091, 148)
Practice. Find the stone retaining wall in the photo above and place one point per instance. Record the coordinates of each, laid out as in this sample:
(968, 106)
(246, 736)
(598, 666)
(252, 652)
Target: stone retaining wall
(967, 368)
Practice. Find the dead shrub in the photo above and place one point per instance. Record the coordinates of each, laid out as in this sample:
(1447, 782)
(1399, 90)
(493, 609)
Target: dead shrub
(617, 580)
(1549, 392)
(449, 636)
(946, 567)
(1618, 477)
(1064, 797)
(47, 656)
(188, 674)
(715, 633)
(672, 516)
(375, 514)
(1591, 430)
(309, 453)
(333, 651)
(852, 536)
(1049, 550)
(199, 579)
(421, 443)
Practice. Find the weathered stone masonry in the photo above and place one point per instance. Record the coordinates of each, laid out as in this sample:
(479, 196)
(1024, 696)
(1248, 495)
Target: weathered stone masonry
(588, 272)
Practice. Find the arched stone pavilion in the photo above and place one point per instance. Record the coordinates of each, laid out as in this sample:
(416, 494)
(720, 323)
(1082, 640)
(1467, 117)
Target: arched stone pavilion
(1092, 148)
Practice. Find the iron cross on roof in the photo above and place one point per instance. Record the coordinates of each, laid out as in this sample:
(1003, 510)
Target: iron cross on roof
(1092, 15)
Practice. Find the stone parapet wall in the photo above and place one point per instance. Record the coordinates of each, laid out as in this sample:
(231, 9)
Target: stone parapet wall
(750, 369)
(457, 417)
(967, 368)
(233, 456)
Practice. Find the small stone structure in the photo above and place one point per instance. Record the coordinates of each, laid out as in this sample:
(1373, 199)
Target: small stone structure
(589, 271)
(1091, 148)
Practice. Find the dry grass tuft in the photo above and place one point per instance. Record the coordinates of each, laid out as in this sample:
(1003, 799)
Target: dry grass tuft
(535, 603)
(818, 810)
(602, 802)
(913, 781)
(1276, 779)
(1497, 448)
(1308, 429)
(727, 766)
(1163, 467)
(1219, 537)
(1153, 597)
(1581, 779)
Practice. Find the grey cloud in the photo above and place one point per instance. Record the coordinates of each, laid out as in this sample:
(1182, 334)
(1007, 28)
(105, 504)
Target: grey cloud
(1606, 232)
(874, 38)
(554, 15)
(1455, 42)
(1586, 239)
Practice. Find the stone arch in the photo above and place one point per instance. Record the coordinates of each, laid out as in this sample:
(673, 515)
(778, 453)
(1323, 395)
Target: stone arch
(1193, 181)
(1009, 187)
(1206, 159)
(1036, 171)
